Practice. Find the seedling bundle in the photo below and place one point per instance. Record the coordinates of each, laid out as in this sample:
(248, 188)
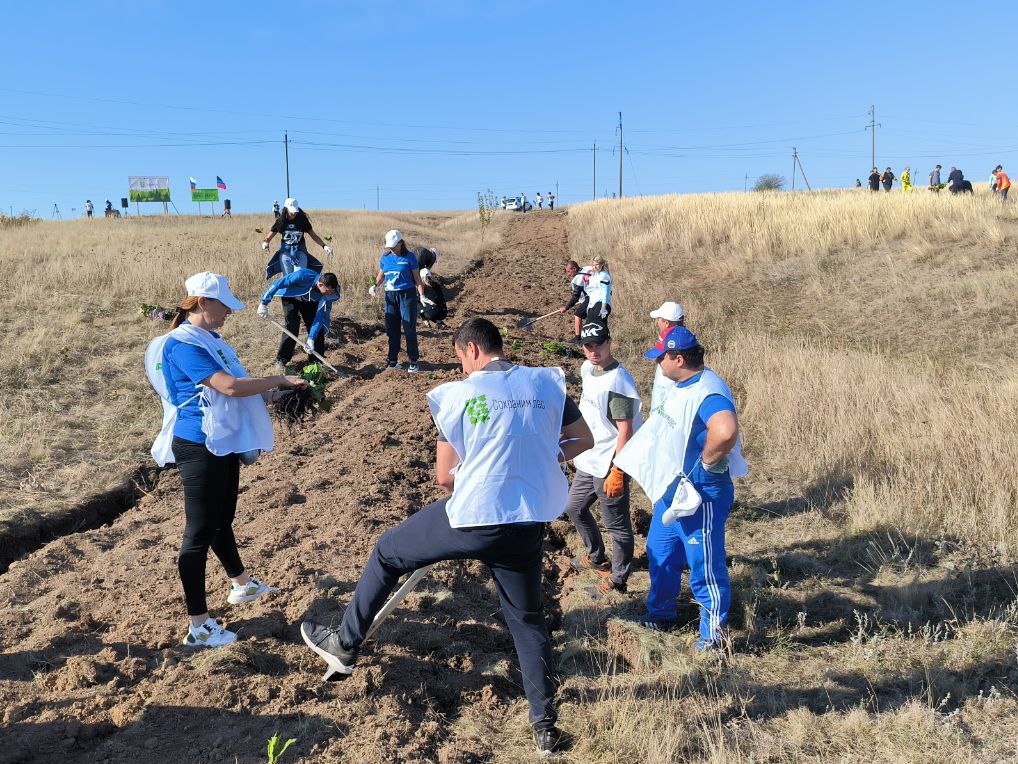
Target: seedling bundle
(295, 407)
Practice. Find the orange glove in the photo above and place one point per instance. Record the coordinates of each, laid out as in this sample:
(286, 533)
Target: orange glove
(614, 484)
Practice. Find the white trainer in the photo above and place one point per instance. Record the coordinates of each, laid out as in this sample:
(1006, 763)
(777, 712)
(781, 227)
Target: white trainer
(209, 634)
(249, 592)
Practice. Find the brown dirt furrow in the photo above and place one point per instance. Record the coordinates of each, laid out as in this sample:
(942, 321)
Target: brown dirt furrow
(91, 669)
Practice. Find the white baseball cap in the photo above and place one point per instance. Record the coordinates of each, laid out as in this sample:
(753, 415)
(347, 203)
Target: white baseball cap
(669, 311)
(393, 237)
(291, 204)
(425, 273)
(212, 285)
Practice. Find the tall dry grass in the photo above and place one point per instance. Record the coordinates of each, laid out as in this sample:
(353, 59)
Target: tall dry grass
(76, 413)
(869, 337)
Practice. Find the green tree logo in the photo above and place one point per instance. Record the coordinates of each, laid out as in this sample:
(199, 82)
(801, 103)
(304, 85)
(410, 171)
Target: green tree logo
(477, 409)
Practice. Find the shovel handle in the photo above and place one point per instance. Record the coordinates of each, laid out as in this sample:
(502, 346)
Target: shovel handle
(395, 599)
(535, 320)
(294, 337)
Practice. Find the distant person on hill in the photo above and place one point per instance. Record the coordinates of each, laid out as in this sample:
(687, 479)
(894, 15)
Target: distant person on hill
(214, 418)
(399, 272)
(89, 209)
(109, 206)
(578, 278)
(685, 459)
(887, 179)
(858, 183)
(438, 310)
(935, 184)
(523, 201)
(954, 178)
(275, 208)
(993, 181)
(874, 180)
(599, 291)
(313, 294)
(1003, 183)
(666, 318)
(540, 201)
(906, 180)
(551, 200)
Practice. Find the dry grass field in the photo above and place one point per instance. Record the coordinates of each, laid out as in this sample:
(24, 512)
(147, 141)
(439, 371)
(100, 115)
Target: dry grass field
(76, 413)
(869, 339)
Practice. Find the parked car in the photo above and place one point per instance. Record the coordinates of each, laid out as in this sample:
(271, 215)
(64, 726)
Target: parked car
(512, 203)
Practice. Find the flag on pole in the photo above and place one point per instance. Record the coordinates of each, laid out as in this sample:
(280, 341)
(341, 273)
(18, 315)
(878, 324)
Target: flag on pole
(220, 183)
(194, 183)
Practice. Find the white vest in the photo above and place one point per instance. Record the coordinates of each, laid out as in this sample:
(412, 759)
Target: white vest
(504, 427)
(597, 461)
(656, 454)
(662, 385)
(231, 425)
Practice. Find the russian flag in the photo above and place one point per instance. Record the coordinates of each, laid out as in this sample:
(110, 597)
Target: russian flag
(220, 183)
(194, 183)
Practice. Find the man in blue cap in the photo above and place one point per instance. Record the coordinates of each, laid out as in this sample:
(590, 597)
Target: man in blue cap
(685, 458)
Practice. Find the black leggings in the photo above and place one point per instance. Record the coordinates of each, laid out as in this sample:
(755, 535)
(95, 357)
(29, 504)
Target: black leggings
(210, 503)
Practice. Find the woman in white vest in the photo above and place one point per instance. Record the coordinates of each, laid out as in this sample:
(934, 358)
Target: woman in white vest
(610, 405)
(214, 417)
(666, 318)
(502, 432)
(599, 291)
(684, 458)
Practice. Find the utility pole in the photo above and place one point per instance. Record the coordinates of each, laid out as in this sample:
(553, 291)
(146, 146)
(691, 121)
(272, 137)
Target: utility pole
(620, 155)
(286, 148)
(594, 191)
(745, 183)
(795, 162)
(377, 198)
(556, 190)
(872, 127)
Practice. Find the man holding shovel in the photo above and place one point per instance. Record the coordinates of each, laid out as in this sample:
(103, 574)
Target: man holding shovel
(313, 296)
(578, 278)
(502, 432)
(610, 405)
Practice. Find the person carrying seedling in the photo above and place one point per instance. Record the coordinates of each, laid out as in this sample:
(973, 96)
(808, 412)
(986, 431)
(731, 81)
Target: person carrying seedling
(438, 310)
(399, 271)
(666, 318)
(502, 431)
(313, 295)
(685, 459)
(214, 418)
(578, 278)
(610, 404)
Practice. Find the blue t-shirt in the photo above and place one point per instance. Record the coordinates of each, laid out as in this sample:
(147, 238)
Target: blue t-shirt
(711, 486)
(397, 270)
(184, 366)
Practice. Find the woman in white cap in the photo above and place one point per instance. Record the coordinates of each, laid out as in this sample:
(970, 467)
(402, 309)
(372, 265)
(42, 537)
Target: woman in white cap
(598, 287)
(400, 272)
(214, 418)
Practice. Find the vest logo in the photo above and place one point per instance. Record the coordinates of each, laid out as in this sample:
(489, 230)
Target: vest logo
(477, 409)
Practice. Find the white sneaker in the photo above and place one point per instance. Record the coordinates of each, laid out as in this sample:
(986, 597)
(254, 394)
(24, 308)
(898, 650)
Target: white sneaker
(413, 368)
(249, 592)
(209, 634)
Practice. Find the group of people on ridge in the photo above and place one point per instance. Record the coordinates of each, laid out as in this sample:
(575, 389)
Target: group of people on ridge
(999, 182)
(504, 432)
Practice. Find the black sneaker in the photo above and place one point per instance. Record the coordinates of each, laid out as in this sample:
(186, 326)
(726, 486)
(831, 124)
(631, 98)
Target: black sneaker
(326, 643)
(585, 563)
(548, 740)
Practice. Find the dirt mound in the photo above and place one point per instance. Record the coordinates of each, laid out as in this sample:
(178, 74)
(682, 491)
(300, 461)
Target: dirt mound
(92, 669)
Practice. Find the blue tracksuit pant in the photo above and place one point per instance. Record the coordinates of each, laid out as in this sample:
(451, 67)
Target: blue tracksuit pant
(514, 553)
(697, 541)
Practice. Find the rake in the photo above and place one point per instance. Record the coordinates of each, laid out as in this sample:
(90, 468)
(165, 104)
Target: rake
(527, 323)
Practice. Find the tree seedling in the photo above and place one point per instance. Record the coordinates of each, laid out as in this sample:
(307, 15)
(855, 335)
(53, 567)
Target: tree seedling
(275, 752)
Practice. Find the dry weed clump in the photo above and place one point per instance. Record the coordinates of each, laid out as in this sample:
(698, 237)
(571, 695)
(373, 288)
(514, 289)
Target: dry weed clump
(76, 414)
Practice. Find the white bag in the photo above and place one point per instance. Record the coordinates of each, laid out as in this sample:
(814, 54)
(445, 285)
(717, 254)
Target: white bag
(685, 502)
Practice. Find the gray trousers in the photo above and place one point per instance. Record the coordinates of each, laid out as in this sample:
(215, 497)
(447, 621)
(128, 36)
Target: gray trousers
(583, 492)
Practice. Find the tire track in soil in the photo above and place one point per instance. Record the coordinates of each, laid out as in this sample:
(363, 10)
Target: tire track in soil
(91, 669)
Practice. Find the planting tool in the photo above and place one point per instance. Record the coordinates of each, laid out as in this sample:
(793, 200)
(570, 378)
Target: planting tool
(395, 599)
(526, 323)
(294, 337)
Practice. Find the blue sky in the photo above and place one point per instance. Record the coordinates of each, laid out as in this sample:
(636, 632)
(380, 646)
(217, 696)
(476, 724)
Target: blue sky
(434, 101)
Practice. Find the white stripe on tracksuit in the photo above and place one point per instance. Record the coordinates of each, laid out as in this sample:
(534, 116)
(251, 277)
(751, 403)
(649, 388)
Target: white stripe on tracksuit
(714, 620)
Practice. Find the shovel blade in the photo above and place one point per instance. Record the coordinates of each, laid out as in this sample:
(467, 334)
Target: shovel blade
(526, 323)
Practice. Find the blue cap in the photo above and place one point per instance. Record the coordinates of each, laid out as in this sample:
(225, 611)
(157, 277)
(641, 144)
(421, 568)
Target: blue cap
(677, 338)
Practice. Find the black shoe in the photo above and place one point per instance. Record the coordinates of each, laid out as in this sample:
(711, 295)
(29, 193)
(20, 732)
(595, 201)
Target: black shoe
(585, 563)
(548, 740)
(326, 643)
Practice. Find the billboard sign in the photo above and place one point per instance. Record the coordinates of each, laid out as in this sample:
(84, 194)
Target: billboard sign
(149, 188)
(204, 194)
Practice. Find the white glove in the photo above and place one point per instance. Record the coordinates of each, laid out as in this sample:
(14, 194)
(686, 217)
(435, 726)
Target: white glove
(263, 310)
(328, 250)
(603, 313)
(265, 245)
(426, 301)
(309, 345)
(373, 290)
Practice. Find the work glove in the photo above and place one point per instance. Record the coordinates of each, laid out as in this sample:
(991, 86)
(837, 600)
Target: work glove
(603, 313)
(265, 245)
(615, 483)
(426, 301)
(373, 290)
(263, 310)
(328, 250)
(309, 346)
(720, 467)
